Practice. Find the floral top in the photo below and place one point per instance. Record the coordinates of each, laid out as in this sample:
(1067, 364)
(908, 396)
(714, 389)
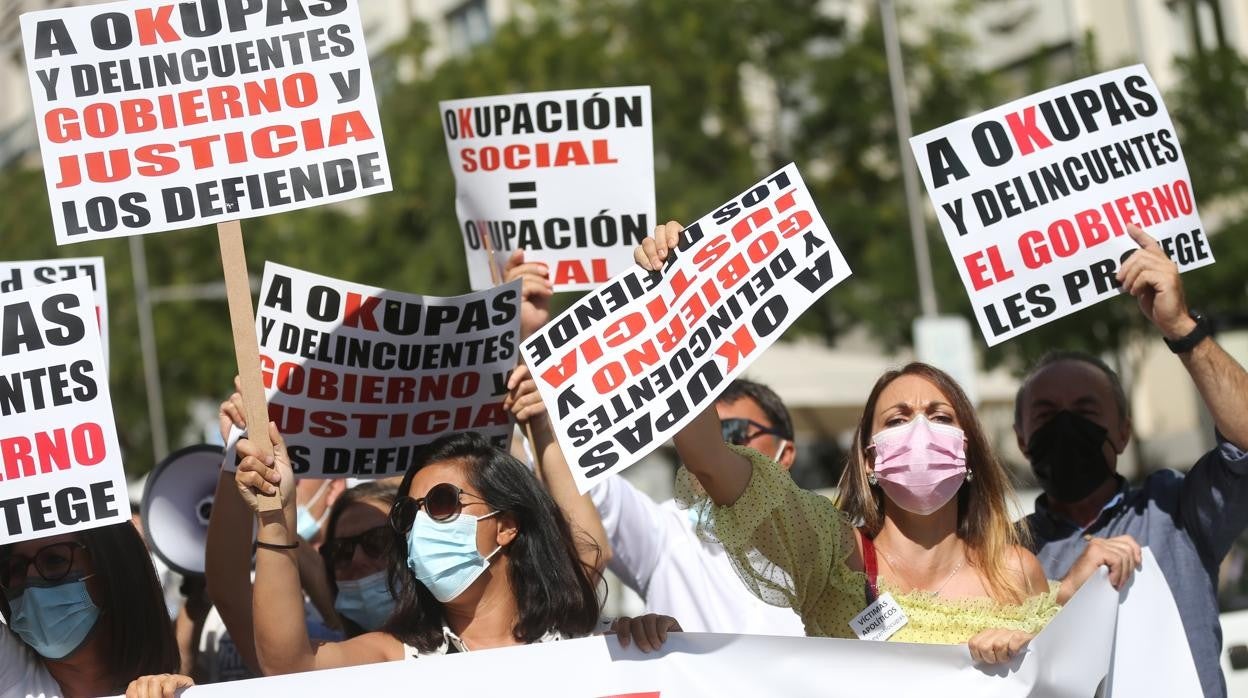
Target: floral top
(790, 547)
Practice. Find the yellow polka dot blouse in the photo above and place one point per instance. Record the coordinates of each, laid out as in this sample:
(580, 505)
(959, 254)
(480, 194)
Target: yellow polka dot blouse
(791, 546)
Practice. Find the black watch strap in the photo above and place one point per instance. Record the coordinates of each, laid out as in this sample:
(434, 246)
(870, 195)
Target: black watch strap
(1203, 329)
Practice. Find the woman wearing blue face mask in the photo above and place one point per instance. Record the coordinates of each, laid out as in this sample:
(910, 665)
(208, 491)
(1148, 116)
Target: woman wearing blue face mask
(481, 557)
(358, 540)
(86, 615)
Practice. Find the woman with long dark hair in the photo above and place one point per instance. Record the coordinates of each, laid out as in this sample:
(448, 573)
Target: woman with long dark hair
(482, 557)
(86, 615)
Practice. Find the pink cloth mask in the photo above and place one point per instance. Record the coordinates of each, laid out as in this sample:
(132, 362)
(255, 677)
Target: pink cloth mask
(920, 465)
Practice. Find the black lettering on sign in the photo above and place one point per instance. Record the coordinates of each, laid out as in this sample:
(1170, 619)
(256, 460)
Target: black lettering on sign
(279, 292)
(51, 37)
(20, 327)
(944, 163)
(67, 506)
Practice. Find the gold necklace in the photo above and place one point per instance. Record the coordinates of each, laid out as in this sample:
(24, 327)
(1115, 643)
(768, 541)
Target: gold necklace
(897, 568)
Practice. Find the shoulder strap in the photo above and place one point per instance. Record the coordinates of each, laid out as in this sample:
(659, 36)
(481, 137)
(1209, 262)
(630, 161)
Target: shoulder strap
(870, 566)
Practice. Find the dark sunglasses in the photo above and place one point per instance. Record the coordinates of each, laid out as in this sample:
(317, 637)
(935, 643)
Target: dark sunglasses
(737, 432)
(375, 542)
(442, 503)
(52, 564)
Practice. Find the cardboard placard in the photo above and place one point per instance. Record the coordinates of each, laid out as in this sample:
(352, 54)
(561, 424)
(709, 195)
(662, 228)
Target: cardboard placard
(60, 462)
(1034, 197)
(631, 363)
(154, 115)
(18, 275)
(358, 377)
(567, 176)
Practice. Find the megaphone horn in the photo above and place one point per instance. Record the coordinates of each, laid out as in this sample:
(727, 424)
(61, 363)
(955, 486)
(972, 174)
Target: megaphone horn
(177, 504)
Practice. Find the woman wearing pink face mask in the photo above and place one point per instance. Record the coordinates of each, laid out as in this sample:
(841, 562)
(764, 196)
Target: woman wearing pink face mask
(934, 557)
(921, 548)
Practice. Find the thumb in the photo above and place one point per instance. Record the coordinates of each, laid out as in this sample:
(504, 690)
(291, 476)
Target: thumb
(516, 259)
(279, 444)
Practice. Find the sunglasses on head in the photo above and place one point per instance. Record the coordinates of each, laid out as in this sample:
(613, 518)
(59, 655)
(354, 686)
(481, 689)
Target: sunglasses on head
(737, 430)
(442, 503)
(52, 563)
(375, 542)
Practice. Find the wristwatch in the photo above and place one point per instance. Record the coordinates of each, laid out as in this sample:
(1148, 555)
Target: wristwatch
(1204, 328)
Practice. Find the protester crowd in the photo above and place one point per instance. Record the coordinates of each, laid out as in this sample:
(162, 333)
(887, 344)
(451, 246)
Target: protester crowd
(475, 542)
(475, 547)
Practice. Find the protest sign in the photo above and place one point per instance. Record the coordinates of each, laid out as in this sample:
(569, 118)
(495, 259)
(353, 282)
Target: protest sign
(357, 377)
(15, 276)
(61, 463)
(1034, 197)
(566, 176)
(631, 363)
(1068, 659)
(154, 115)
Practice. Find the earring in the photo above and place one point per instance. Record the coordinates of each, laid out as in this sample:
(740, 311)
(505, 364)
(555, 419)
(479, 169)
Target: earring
(970, 475)
(871, 479)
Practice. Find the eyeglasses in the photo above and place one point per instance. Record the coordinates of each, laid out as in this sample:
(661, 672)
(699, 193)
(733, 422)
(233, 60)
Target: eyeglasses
(736, 430)
(375, 542)
(52, 563)
(442, 503)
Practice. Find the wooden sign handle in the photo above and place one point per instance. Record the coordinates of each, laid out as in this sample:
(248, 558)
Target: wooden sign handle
(246, 346)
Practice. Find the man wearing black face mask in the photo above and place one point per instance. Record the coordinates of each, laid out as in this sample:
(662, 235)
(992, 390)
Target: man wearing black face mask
(1071, 421)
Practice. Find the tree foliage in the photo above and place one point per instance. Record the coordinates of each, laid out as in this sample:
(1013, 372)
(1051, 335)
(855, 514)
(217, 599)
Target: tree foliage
(712, 66)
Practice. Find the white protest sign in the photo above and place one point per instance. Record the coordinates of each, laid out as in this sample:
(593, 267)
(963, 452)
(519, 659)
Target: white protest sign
(631, 363)
(15, 276)
(1151, 654)
(157, 115)
(358, 377)
(60, 463)
(1034, 197)
(1068, 659)
(566, 176)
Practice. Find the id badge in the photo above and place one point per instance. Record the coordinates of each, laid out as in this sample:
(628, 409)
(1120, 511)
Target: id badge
(879, 620)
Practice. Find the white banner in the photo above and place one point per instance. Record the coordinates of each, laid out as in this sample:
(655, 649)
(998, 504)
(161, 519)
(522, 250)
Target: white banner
(60, 463)
(358, 377)
(154, 115)
(1068, 659)
(15, 276)
(628, 365)
(566, 176)
(1035, 196)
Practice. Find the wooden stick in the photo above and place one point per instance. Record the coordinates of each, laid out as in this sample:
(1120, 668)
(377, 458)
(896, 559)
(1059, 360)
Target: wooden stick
(246, 346)
(496, 276)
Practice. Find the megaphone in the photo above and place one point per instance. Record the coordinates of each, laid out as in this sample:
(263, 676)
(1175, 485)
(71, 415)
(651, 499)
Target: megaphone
(177, 503)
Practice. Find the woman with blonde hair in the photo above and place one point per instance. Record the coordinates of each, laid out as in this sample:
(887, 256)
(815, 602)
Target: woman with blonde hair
(921, 548)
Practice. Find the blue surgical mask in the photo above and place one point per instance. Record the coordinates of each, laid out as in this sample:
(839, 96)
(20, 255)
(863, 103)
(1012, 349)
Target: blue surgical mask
(307, 526)
(444, 555)
(54, 620)
(366, 600)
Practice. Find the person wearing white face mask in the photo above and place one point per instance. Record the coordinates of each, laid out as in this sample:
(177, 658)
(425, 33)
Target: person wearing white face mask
(919, 546)
(481, 557)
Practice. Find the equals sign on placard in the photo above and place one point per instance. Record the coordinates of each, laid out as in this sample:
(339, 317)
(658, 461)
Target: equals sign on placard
(522, 189)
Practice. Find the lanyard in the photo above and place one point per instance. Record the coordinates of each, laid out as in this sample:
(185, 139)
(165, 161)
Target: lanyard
(869, 565)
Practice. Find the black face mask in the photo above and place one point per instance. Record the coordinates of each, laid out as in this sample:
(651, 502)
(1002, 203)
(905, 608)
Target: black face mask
(1065, 453)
